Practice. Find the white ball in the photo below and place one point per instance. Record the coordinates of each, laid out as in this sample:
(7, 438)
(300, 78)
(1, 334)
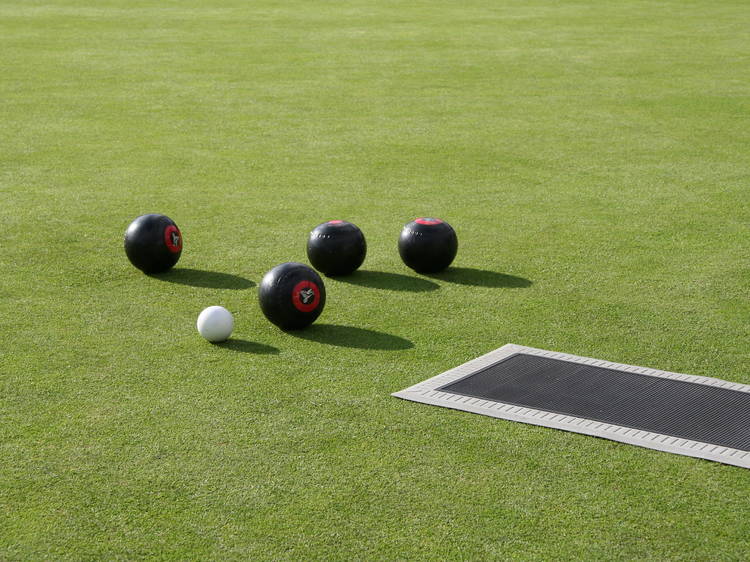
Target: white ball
(215, 323)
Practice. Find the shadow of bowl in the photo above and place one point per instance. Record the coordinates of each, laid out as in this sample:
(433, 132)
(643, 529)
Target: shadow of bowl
(480, 278)
(388, 281)
(245, 346)
(349, 336)
(203, 278)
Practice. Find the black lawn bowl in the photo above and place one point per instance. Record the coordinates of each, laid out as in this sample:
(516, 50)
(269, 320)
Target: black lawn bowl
(428, 245)
(336, 248)
(153, 243)
(292, 295)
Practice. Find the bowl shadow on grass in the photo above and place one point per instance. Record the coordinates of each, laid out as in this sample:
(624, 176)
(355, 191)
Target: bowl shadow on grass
(245, 346)
(203, 278)
(389, 281)
(481, 278)
(349, 336)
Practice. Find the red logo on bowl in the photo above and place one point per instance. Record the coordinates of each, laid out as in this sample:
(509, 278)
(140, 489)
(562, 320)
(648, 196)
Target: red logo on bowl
(336, 222)
(428, 221)
(305, 296)
(173, 238)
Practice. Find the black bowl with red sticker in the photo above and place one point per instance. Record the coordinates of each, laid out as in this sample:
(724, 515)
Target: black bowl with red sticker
(428, 245)
(336, 248)
(153, 243)
(292, 295)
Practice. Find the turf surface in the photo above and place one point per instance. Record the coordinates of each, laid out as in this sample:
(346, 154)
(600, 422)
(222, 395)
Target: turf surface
(593, 157)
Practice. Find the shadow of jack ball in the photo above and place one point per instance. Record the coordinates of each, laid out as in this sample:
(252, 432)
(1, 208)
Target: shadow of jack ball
(336, 248)
(292, 295)
(153, 243)
(428, 245)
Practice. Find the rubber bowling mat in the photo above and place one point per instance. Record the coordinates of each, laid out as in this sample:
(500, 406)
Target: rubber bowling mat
(684, 414)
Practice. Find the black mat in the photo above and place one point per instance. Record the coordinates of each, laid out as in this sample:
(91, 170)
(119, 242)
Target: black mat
(677, 408)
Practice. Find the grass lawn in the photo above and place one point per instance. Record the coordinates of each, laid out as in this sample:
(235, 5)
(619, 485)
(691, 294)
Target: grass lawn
(593, 158)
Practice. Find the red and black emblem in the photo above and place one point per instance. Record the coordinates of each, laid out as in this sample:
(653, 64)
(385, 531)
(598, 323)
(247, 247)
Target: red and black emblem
(173, 238)
(428, 221)
(305, 296)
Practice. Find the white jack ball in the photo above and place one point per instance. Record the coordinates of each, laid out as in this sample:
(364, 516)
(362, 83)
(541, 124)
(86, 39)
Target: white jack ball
(215, 323)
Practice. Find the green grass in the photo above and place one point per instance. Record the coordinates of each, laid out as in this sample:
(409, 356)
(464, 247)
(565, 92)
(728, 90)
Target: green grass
(593, 157)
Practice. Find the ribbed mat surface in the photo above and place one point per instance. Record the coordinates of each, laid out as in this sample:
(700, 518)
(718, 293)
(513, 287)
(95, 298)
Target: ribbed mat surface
(671, 407)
